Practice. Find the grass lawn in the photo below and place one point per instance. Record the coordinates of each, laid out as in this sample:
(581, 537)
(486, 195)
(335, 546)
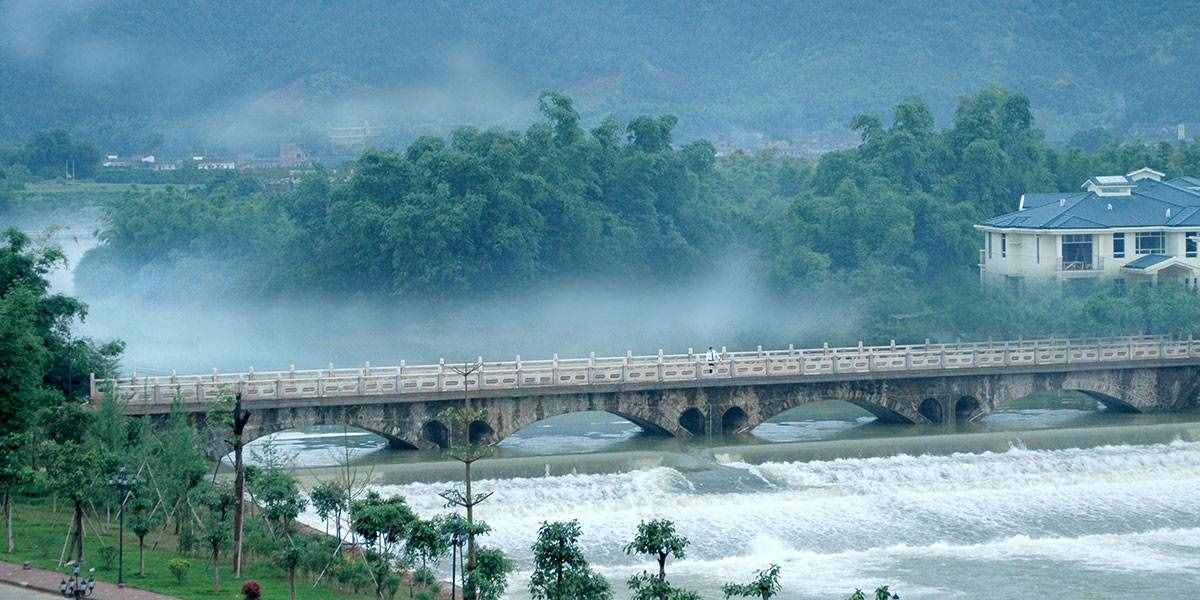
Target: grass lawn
(40, 533)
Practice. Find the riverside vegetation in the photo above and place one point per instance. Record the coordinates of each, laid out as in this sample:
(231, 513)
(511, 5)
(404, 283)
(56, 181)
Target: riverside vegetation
(60, 461)
(887, 223)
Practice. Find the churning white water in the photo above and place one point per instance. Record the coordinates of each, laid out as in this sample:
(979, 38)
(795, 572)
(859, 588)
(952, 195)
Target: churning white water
(1107, 522)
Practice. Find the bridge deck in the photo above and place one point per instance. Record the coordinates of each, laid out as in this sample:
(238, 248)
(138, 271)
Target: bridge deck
(420, 382)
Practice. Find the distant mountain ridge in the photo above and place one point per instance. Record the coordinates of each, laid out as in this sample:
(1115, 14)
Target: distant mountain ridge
(235, 75)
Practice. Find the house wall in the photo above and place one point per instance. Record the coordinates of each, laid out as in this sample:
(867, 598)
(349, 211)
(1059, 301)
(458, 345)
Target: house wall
(1021, 260)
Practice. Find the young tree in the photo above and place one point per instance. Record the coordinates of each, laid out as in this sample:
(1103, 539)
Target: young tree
(279, 494)
(214, 525)
(179, 464)
(143, 518)
(646, 586)
(289, 557)
(329, 500)
(466, 451)
(560, 572)
(383, 523)
(425, 543)
(658, 539)
(457, 530)
(74, 472)
(491, 573)
(881, 593)
(14, 474)
(237, 424)
(764, 585)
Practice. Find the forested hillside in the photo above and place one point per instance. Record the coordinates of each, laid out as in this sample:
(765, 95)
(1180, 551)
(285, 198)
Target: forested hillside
(234, 75)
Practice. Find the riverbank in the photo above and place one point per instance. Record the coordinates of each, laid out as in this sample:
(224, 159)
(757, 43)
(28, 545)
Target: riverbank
(40, 533)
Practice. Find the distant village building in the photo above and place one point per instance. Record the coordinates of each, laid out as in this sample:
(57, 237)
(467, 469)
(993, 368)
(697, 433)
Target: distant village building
(292, 156)
(203, 163)
(353, 139)
(1133, 227)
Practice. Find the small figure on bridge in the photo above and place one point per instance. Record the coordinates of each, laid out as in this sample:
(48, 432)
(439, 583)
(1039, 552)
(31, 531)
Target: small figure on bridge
(713, 358)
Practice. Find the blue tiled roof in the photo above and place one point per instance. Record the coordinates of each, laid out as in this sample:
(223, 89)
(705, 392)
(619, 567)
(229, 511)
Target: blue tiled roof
(1150, 204)
(1147, 261)
(1185, 181)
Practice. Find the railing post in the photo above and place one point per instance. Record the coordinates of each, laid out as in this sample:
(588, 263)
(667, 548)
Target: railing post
(441, 376)
(554, 370)
(591, 367)
(400, 378)
(659, 367)
(1068, 351)
(518, 371)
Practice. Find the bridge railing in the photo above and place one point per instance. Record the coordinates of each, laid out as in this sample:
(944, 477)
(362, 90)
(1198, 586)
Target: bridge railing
(581, 372)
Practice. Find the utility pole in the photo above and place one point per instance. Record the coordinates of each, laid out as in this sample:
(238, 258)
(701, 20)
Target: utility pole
(240, 418)
(467, 452)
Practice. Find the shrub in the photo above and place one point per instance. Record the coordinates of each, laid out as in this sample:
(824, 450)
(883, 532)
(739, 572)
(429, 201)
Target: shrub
(179, 568)
(251, 591)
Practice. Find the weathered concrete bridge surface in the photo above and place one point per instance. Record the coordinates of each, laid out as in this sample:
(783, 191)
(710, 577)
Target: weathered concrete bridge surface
(689, 395)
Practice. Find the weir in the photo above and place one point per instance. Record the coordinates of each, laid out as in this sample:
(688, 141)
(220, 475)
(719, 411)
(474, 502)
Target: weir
(688, 394)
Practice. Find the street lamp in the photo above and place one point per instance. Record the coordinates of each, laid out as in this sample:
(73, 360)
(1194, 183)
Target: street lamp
(78, 587)
(123, 483)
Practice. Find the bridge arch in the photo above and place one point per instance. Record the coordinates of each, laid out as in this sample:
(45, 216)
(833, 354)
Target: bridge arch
(479, 432)
(435, 433)
(693, 421)
(931, 409)
(967, 409)
(735, 421)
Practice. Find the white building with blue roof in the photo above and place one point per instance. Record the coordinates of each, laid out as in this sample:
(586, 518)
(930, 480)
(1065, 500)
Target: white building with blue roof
(1133, 227)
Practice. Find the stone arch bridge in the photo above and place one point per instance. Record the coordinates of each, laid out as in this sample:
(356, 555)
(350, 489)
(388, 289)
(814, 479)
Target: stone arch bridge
(690, 395)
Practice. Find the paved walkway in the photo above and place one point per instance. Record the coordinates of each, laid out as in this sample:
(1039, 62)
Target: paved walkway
(13, 577)
(12, 592)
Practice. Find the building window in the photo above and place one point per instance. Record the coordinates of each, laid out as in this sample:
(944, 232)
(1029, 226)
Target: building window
(1152, 242)
(1037, 249)
(1003, 245)
(1118, 245)
(989, 235)
(1077, 252)
(1191, 244)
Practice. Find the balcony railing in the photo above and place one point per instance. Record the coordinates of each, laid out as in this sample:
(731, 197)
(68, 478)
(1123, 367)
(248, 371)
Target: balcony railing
(1081, 266)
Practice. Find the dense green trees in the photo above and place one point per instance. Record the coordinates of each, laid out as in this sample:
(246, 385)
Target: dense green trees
(884, 229)
(483, 209)
(560, 571)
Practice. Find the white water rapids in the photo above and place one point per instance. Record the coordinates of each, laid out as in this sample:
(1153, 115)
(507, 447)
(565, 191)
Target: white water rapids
(1107, 522)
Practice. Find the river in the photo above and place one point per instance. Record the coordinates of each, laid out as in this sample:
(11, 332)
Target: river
(1095, 505)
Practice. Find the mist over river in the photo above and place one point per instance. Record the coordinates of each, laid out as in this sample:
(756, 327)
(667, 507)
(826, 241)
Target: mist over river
(1049, 497)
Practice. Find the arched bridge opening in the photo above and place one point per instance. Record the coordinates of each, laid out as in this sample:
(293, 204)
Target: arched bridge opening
(813, 421)
(693, 421)
(575, 432)
(932, 410)
(436, 434)
(735, 421)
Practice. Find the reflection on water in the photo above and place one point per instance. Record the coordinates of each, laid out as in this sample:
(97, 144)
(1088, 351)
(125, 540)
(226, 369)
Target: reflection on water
(318, 445)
